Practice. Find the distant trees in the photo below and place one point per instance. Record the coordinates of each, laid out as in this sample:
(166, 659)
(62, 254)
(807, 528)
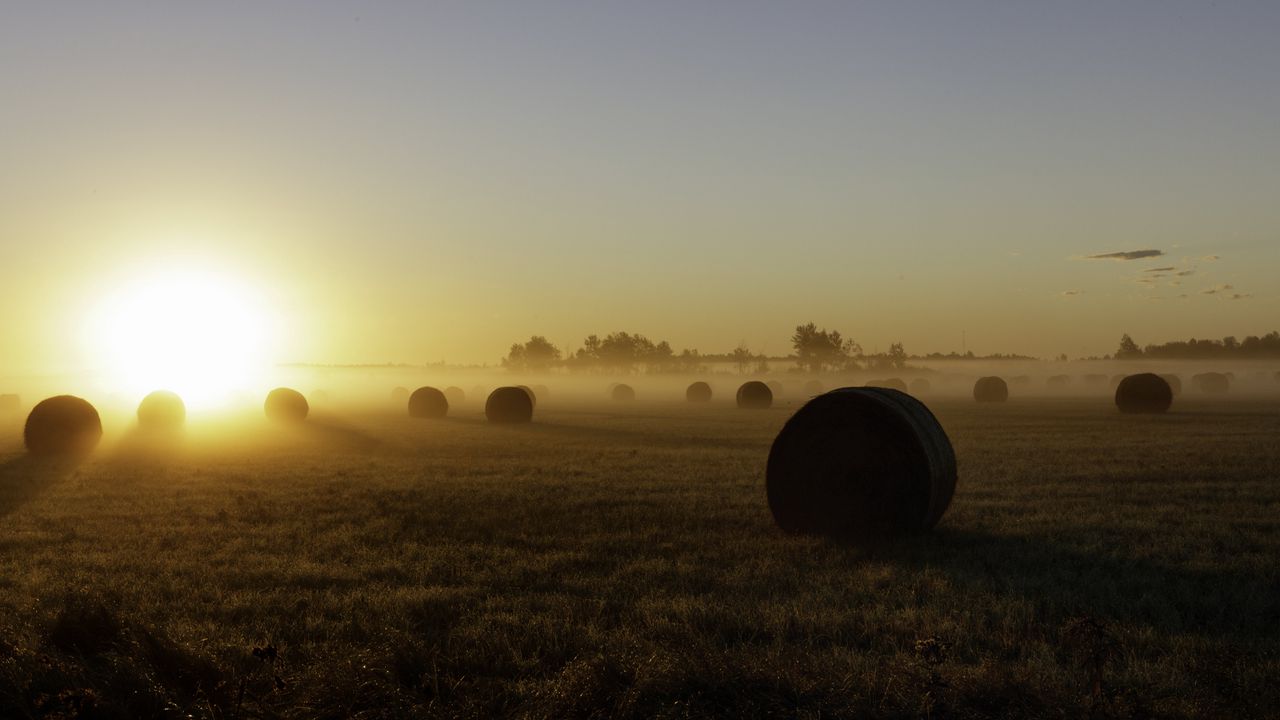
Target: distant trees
(1128, 348)
(822, 349)
(625, 353)
(1266, 346)
(536, 355)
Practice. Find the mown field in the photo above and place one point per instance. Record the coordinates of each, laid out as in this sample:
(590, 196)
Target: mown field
(620, 561)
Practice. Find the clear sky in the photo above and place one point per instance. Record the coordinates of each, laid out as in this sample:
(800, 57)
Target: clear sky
(424, 181)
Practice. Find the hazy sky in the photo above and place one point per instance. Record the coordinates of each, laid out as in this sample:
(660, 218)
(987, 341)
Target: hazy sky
(418, 181)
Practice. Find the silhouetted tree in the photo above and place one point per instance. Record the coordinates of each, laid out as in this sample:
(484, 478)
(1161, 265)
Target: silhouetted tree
(817, 350)
(537, 355)
(1128, 348)
(897, 356)
(742, 358)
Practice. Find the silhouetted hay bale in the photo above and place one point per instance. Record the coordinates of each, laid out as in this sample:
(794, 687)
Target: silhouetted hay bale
(698, 392)
(161, 410)
(9, 404)
(400, 395)
(990, 389)
(1095, 379)
(286, 405)
(921, 386)
(754, 395)
(1058, 382)
(622, 393)
(1144, 393)
(533, 397)
(890, 383)
(428, 402)
(1175, 383)
(813, 387)
(62, 425)
(1212, 383)
(509, 405)
(455, 395)
(775, 387)
(860, 462)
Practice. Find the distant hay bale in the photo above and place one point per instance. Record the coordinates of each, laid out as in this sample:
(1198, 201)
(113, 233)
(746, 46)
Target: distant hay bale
(813, 387)
(754, 395)
(990, 389)
(698, 392)
(921, 386)
(286, 405)
(860, 462)
(9, 404)
(399, 395)
(1212, 383)
(622, 393)
(1058, 382)
(161, 410)
(1175, 383)
(775, 387)
(455, 395)
(509, 405)
(533, 397)
(428, 402)
(62, 425)
(1095, 379)
(1145, 393)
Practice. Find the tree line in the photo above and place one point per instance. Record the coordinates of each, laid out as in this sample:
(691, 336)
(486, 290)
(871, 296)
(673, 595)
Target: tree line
(1267, 346)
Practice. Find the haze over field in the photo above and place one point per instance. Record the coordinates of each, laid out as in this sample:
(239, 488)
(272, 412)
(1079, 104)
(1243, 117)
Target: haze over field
(414, 183)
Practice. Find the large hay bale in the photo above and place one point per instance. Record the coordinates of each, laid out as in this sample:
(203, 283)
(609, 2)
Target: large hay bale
(1145, 393)
(161, 410)
(1175, 383)
(509, 405)
(1212, 383)
(286, 405)
(62, 425)
(754, 395)
(698, 392)
(775, 387)
(921, 386)
(428, 402)
(860, 462)
(1058, 382)
(814, 387)
(9, 404)
(455, 395)
(990, 389)
(533, 397)
(399, 395)
(622, 393)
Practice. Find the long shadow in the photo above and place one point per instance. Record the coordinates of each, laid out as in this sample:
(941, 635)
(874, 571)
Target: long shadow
(331, 434)
(155, 446)
(25, 477)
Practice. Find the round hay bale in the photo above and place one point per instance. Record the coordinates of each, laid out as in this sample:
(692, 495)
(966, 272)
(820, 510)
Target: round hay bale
(1145, 393)
(860, 462)
(286, 405)
(813, 387)
(1212, 383)
(161, 410)
(509, 405)
(775, 387)
(399, 395)
(9, 404)
(533, 397)
(990, 389)
(754, 395)
(455, 395)
(1175, 383)
(62, 425)
(428, 402)
(921, 386)
(698, 392)
(622, 393)
(1058, 382)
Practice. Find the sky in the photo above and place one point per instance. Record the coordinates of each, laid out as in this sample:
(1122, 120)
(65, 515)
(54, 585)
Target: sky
(417, 182)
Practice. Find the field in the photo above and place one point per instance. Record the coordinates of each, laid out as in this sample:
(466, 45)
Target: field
(620, 561)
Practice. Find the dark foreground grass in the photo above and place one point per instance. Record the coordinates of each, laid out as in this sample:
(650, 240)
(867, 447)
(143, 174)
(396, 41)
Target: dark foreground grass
(624, 564)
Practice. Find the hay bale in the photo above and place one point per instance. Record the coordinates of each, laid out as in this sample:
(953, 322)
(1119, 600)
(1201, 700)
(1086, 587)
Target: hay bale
(399, 395)
(622, 393)
(1145, 393)
(813, 387)
(509, 405)
(428, 402)
(1175, 383)
(533, 397)
(286, 405)
(161, 410)
(455, 395)
(860, 462)
(9, 404)
(62, 425)
(921, 386)
(775, 387)
(698, 392)
(990, 389)
(1212, 383)
(754, 395)
(1058, 382)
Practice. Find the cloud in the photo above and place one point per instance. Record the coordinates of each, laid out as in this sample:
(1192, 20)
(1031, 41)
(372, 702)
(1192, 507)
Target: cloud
(1245, 296)
(1184, 273)
(1071, 293)
(1163, 269)
(1126, 255)
(1217, 289)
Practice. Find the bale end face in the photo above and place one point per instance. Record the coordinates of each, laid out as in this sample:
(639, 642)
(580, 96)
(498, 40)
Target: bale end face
(161, 410)
(62, 425)
(428, 402)
(509, 405)
(455, 395)
(990, 389)
(622, 392)
(1144, 393)
(286, 405)
(698, 392)
(754, 395)
(860, 462)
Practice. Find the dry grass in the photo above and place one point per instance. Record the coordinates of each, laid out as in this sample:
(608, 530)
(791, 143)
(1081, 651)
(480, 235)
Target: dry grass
(621, 562)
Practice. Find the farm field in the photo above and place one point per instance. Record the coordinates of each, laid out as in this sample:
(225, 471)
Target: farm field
(619, 560)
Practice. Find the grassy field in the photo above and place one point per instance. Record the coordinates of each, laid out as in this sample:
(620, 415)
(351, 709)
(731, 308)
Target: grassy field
(621, 562)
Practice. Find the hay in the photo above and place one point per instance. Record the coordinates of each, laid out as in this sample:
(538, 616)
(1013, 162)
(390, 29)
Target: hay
(509, 405)
(455, 395)
(754, 395)
(1145, 393)
(428, 402)
(921, 386)
(1212, 383)
(622, 393)
(990, 389)
(62, 425)
(698, 392)
(286, 405)
(860, 462)
(1058, 382)
(1175, 383)
(533, 397)
(814, 387)
(161, 410)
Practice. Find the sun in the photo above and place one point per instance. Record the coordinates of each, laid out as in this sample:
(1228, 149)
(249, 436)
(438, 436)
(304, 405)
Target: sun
(199, 332)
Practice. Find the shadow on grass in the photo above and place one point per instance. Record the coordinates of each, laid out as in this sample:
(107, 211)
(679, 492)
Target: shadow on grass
(335, 435)
(25, 477)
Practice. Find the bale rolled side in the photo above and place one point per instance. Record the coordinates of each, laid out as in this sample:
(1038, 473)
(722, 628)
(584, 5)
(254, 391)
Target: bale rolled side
(1175, 383)
(990, 389)
(698, 392)
(161, 410)
(286, 405)
(428, 402)
(455, 395)
(62, 425)
(1145, 393)
(754, 395)
(509, 405)
(622, 392)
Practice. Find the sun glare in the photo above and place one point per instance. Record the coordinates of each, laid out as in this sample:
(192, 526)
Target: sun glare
(199, 333)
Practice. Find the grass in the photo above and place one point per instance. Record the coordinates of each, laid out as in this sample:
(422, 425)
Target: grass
(621, 562)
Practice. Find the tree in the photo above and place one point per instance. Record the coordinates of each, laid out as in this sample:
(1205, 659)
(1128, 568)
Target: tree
(817, 350)
(1128, 348)
(897, 356)
(537, 355)
(742, 358)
